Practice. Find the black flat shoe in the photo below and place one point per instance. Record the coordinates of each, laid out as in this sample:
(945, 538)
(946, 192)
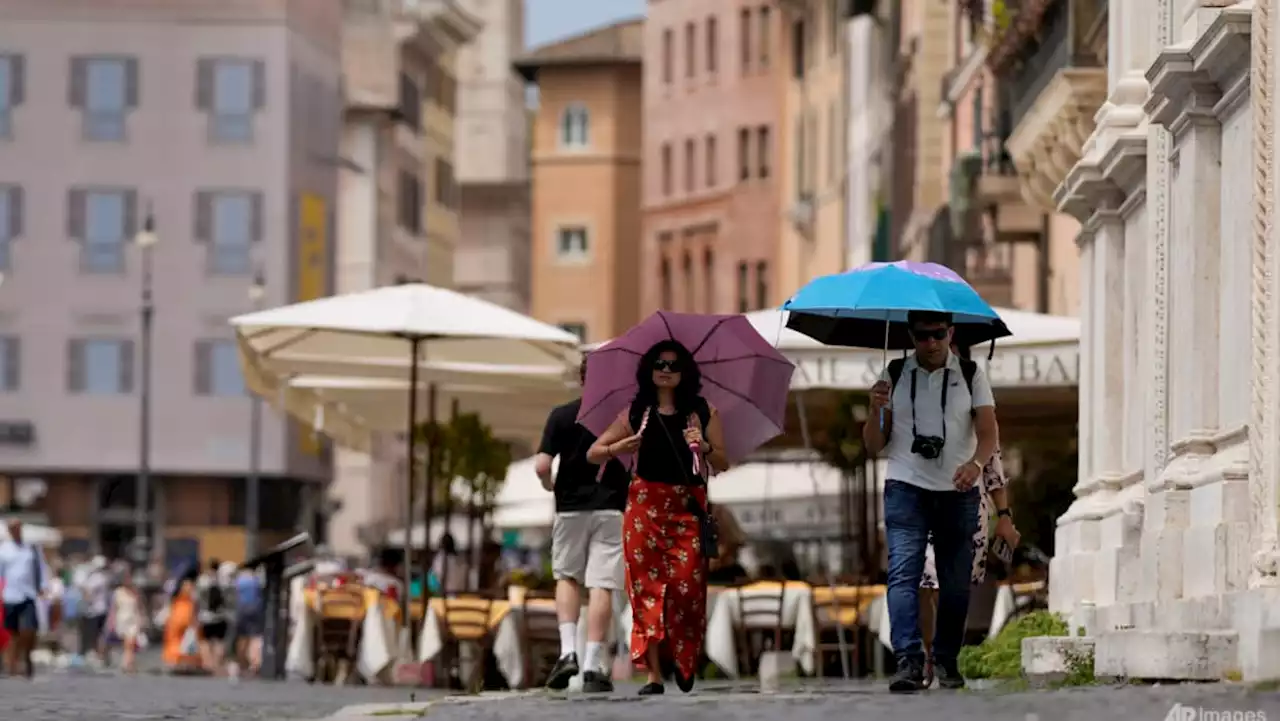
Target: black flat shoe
(682, 683)
(652, 689)
(566, 668)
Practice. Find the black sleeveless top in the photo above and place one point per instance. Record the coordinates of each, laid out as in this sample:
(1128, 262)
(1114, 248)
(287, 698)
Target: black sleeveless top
(657, 460)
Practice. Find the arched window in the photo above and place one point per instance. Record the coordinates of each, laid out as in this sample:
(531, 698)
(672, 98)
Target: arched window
(575, 127)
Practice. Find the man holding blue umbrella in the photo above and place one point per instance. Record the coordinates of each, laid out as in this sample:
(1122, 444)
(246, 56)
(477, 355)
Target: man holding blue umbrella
(933, 417)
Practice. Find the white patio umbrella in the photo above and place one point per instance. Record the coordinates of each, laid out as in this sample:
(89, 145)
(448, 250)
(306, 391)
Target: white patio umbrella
(396, 331)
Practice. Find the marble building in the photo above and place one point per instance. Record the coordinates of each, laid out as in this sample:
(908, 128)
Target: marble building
(1168, 557)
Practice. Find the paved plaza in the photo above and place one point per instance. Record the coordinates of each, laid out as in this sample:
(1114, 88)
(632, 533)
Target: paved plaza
(69, 697)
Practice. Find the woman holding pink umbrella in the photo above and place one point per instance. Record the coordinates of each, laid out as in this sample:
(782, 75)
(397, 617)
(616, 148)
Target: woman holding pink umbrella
(685, 395)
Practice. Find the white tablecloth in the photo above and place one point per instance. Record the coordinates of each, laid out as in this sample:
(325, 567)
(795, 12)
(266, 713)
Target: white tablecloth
(726, 610)
(375, 655)
(509, 646)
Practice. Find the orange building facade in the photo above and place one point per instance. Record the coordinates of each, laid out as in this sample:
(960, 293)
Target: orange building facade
(586, 179)
(713, 91)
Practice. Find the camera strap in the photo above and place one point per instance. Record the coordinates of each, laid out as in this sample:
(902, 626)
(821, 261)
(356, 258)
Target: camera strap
(946, 383)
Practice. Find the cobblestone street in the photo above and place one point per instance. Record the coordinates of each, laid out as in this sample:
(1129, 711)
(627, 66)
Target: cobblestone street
(69, 697)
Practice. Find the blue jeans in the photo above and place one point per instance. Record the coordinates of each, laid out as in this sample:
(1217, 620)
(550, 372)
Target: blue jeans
(910, 514)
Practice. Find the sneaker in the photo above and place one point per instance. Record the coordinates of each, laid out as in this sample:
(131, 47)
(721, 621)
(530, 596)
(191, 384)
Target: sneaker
(566, 668)
(652, 689)
(909, 677)
(949, 675)
(596, 682)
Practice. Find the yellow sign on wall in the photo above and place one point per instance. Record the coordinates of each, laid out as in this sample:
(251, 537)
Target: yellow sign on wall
(312, 262)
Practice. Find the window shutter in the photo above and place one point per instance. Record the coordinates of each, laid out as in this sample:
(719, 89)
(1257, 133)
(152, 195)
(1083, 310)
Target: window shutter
(126, 366)
(204, 368)
(12, 359)
(15, 211)
(75, 366)
(204, 84)
(203, 216)
(131, 82)
(255, 216)
(75, 214)
(259, 84)
(130, 201)
(76, 82)
(17, 80)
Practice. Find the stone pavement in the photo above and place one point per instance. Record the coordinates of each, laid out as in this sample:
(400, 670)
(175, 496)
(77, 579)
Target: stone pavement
(107, 697)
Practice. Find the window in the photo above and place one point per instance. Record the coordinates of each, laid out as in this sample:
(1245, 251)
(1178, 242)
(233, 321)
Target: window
(104, 89)
(12, 90)
(744, 153)
(689, 286)
(710, 153)
(104, 220)
(744, 38)
(10, 221)
(575, 127)
(447, 192)
(409, 201)
(664, 272)
(217, 371)
(764, 149)
(689, 160)
(578, 329)
(230, 91)
(833, 26)
(100, 366)
(802, 154)
(10, 364)
(978, 113)
(709, 279)
(798, 37)
(668, 51)
(571, 242)
(833, 144)
(811, 163)
(744, 273)
(410, 102)
(229, 221)
(713, 44)
(765, 33)
(762, 284)
(690, 50)
(666, 169)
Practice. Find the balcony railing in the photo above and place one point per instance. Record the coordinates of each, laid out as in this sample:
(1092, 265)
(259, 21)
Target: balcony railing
(1067, 37)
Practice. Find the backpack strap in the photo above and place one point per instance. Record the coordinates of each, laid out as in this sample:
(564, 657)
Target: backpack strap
(895, 372)
(968, 368)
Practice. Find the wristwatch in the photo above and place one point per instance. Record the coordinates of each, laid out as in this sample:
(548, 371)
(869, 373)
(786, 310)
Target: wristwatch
(1004, 512)
(978, 464)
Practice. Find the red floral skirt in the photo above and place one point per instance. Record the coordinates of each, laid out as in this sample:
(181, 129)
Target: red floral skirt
(666, 576)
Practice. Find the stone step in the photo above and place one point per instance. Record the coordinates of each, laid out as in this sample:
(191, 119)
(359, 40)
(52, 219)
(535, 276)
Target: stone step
(1051, 659)
(1167, 655)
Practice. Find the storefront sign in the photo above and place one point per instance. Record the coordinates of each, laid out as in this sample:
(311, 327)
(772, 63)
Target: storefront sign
(17, 433)
(1057, 365)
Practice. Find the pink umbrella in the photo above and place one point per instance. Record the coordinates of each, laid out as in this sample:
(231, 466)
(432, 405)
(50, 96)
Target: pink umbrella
(743, 376)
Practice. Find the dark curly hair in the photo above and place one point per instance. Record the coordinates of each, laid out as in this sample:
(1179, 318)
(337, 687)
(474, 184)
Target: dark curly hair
(687, 392)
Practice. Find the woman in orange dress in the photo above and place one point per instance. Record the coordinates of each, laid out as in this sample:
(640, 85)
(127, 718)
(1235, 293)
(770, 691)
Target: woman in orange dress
(179, 652)
(666, 566)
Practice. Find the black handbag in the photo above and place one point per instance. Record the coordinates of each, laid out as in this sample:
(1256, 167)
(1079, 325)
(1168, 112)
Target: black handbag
(708, 529)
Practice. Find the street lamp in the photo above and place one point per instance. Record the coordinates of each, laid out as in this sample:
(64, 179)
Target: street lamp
(145, 240)
(257, 293)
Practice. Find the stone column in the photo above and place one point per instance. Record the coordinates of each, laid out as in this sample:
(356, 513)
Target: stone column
(1264, 435)
(1107, 388)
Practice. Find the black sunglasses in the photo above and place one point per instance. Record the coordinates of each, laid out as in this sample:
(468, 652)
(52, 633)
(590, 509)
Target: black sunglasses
(666, 366)
(922, 334)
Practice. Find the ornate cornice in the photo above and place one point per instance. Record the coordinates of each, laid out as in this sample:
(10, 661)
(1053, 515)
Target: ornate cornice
(1107, 182)
(1049, 140)
(1191, 82)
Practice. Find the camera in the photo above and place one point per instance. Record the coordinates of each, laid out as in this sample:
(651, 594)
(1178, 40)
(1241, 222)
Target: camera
(928, 447)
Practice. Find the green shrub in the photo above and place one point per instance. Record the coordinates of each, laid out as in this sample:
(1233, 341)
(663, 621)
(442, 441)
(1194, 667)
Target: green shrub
(1001, 657)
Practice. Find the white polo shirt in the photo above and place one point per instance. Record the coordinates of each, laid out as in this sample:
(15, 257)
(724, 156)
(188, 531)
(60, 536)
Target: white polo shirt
(962, 441)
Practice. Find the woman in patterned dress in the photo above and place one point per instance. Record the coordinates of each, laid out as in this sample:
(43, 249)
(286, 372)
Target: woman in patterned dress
(666, 569)
(993, 501)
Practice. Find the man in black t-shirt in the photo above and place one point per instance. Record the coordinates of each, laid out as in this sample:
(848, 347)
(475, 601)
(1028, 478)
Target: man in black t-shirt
(586, 541)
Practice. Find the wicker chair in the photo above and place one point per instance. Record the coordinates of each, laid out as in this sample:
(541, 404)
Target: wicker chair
(466, 620)
(758, 627)
(835, 614)
(336, 632)
(540, 633)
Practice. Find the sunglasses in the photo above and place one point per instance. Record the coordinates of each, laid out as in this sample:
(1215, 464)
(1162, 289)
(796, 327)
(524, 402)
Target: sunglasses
(666, 366)
(931, 334)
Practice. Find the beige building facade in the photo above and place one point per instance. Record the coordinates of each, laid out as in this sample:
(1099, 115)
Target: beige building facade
(220, 121)
(492, 260)
(399, 213)
(586, 180)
